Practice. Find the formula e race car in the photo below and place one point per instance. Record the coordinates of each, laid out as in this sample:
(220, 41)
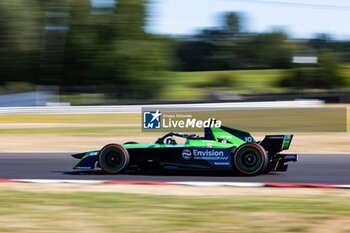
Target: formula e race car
(221, 149)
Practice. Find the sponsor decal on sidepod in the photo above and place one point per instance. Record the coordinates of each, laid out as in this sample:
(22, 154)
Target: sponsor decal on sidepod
(205, 154)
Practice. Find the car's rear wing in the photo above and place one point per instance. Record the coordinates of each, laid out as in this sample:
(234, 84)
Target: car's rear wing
(276, 143)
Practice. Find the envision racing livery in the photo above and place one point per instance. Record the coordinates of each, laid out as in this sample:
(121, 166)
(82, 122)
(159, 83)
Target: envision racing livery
(221, 149)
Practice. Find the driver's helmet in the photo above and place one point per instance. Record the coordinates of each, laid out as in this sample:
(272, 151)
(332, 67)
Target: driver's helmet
(193, 136)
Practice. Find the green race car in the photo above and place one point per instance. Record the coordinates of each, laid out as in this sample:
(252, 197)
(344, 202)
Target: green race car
(220, 149)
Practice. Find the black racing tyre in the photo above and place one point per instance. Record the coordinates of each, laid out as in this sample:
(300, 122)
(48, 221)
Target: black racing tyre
(127, 143)
(113, 158)
(250, 159)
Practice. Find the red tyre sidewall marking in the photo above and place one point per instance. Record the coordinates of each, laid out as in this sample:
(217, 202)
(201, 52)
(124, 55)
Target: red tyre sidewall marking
(124, 154)
(138, 182)
(256, 147)
(9, 181)
(286, 185)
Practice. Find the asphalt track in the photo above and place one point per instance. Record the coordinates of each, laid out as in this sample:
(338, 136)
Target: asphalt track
(311, 168)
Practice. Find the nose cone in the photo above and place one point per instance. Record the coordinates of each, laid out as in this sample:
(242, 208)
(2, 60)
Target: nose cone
(79, 155)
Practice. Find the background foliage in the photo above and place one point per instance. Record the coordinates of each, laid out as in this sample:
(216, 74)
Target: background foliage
(83, 48)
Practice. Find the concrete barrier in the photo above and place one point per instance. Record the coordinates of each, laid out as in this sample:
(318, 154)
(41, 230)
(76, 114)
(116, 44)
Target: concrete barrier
(137, 108)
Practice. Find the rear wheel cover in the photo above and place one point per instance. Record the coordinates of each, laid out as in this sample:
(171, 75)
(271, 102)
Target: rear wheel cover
(250, 159)
(113, 158)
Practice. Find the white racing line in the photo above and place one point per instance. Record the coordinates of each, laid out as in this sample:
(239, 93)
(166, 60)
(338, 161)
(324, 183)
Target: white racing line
(54, 181)
(186, 183)
(234, 184)
(138, 108)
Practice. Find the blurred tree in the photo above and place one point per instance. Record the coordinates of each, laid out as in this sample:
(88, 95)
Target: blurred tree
(20, 30)
(54, 35)
(227, 47)
(320, 42)
(114, 49)
(211, 35)
(232, 24)
(231, 27)
(195, 55)
(266, 50)
(327, 76)
(212, 49)
(82, 43)
(74, 43)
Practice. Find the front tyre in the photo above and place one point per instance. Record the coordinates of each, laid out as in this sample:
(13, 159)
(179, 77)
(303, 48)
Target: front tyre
(250, 159)
(113, 158)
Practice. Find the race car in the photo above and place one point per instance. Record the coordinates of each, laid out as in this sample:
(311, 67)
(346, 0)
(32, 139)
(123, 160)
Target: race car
(220, 149)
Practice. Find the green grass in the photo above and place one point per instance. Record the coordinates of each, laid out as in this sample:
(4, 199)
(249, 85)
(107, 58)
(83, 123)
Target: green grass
(186, 85)
(76, 131)
(117, 118)
(126, 121)
(345, 72)
(271, 120)
(114, 212)
(189, 85)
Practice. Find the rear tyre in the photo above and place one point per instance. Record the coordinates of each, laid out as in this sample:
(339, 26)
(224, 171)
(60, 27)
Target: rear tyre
(250, 159)
(113, 158)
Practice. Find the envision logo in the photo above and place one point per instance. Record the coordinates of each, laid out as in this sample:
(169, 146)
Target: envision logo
(207, 153)
(186, 154)
(203, 154)
(210, 155)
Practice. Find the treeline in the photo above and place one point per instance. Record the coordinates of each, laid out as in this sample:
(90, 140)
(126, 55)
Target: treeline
(229, 47)
(74, 43)
(70, 43)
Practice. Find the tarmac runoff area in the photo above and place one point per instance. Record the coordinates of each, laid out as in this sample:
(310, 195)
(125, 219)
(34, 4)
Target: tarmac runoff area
(324, 169)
